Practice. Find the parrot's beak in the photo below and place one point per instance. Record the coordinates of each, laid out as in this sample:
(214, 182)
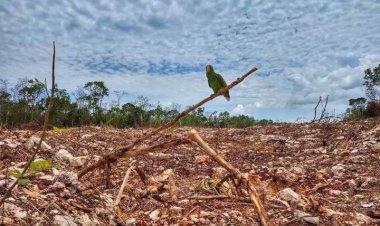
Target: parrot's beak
(208, 68)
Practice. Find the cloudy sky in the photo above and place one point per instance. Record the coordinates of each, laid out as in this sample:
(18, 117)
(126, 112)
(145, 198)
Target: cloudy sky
(159, 49)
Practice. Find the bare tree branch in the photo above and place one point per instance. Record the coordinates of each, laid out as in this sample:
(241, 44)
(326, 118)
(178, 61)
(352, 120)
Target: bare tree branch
(324, 108)
(112, 157)
(315, 109)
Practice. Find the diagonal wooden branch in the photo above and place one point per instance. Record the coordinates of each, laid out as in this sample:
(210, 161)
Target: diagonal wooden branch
(201, 143)
(125, 180)
(112, 157)
(46, 121)
(163, 145)
(264, 219)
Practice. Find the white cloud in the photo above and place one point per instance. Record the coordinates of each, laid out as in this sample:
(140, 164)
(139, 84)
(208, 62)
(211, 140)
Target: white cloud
(303, 49)
(239, 110)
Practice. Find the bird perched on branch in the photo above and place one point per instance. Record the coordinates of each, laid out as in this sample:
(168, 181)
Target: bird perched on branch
(216, 81)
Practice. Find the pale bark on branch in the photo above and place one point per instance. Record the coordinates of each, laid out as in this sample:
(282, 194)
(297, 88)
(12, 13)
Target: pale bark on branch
(125, 180)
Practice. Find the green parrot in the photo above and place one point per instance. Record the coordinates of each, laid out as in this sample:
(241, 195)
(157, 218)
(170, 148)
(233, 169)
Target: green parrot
(216, 81)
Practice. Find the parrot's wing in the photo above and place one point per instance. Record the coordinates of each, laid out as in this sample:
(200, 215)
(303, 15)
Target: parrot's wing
(209, 85)
(221, 80)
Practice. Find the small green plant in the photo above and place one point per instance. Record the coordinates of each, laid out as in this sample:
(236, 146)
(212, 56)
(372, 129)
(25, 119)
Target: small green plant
(22, 181)
(40, 166)
(36, 166)
(208, 184)
(61, 130)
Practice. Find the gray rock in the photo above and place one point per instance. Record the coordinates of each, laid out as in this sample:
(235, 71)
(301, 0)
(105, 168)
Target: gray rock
(56, 186)
(15, 210)
(335, 192)
(289, 195)
(218, 172)
(86, 136)
(298, 170)
(272, 138)
(65, 155)
(68, 178)
(33, 141)
(306, 217)
(131, 221)
(366, 204)
(85, 220)
(47, 179)
(338, 170)
(154, 215)
(64, 220)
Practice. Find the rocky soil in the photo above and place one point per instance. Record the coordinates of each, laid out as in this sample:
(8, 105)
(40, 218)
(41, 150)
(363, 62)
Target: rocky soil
(306, 174)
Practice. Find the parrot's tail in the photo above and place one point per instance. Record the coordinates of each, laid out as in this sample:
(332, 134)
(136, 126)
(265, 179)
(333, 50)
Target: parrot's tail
(227, 96)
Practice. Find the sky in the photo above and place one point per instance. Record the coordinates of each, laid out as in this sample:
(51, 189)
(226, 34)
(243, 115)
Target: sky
(159, 49)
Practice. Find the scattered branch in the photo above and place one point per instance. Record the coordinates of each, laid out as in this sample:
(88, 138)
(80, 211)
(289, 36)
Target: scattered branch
(141, 175)
(208, 197)
(46, 121)
(112, 157)
(264, 219)
(254, 196)
(201, 143)
(125, 180)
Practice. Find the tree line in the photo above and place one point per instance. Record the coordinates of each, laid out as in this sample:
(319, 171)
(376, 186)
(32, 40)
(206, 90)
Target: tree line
(361, 107)
(27, 100)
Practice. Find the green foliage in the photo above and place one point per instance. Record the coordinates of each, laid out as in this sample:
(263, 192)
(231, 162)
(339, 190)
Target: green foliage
(30, 99)
(372, 80)
(21, 180)
(95, 92)
(360, 108)
(36, 166)
(40, 166)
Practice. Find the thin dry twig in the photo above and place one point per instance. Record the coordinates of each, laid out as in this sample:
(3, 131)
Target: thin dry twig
(120, 152)
(46, 121)
(208, 197)
(315, 109)
(324, 109)
(125, 180)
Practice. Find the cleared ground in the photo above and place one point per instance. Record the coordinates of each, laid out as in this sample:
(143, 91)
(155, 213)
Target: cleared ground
(332, 168)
